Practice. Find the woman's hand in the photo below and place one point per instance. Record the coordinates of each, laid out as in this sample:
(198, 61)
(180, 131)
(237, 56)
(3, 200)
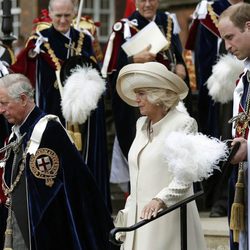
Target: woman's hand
(152, 208)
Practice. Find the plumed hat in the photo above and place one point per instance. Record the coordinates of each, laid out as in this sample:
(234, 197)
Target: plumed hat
(83, 86)
(148, 75)
(222, 82)
(74, 62)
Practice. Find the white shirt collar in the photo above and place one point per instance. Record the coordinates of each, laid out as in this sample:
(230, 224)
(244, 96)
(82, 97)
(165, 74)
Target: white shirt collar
(16, 128)
(67, 34)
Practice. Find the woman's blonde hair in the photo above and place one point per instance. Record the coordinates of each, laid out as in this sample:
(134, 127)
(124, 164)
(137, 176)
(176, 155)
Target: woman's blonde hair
(164, 97)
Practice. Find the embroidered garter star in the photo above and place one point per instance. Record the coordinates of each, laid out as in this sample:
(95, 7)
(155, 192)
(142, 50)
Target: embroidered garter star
(44, 165)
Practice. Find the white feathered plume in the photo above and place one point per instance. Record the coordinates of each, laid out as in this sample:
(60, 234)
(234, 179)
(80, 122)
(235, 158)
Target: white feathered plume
(81, 93)
(193, 157)
(181, 107)
(222, 82)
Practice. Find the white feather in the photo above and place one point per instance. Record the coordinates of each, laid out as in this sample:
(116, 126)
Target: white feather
(193, 157)
(81, 93)
(181, 107)
(222, 82)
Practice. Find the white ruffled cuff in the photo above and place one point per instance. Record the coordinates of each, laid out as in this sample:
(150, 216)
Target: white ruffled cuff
(174, 192)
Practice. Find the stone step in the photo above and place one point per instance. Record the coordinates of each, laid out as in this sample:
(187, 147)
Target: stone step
(216, 232)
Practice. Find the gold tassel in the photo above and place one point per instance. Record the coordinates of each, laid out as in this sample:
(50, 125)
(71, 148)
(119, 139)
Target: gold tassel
(69, 129)
(74, 132)
(237, 222)
(8, 232)
(77, 137)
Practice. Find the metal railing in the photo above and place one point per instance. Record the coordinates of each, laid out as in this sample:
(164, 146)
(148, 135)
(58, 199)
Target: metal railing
(183, 210)
(183, 221)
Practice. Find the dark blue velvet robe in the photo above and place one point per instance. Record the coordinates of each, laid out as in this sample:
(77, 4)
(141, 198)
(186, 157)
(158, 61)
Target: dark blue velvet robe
(69, 215)
(6, 56)
(206, 54)
(49, 99)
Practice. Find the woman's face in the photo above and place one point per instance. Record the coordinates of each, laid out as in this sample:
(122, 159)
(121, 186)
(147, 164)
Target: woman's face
(146, 108)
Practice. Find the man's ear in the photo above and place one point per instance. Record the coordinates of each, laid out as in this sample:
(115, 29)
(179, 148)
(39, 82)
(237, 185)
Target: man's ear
(247, 25)
(23, 99)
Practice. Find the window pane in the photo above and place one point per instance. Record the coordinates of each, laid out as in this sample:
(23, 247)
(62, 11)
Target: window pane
(88, 4)
(105, 4)
(104, 31)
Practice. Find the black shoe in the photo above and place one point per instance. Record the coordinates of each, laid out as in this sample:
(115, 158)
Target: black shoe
(217, 212)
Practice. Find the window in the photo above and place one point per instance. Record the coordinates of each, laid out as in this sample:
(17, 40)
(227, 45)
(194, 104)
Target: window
(101, 11)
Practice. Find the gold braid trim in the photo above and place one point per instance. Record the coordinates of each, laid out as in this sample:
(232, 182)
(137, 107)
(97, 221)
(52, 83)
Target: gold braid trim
(80, 43)
(169, 32)
(213, 15)
(133, 27)
(52, 55)
(30, 38)
(55, 59)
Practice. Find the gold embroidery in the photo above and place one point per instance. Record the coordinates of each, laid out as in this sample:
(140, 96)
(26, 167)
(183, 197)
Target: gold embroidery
(55, 59)
(44, 165)
(213, 15)
(169, 32)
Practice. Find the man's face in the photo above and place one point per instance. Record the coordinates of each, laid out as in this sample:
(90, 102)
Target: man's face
(62, 14)
(237, 41)
(12, 109)
(147, 8)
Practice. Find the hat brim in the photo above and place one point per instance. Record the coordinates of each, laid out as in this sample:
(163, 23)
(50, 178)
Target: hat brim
(147, 75)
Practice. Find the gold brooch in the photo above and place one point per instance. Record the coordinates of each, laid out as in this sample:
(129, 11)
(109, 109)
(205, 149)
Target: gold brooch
(44, 165)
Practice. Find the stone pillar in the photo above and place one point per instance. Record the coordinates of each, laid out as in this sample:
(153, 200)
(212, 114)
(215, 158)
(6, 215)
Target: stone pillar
(29, 11)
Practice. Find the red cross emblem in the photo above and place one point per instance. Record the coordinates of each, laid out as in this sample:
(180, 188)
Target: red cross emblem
(44, 164)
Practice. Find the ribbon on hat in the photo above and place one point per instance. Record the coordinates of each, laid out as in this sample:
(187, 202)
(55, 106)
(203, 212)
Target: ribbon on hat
(40, 40)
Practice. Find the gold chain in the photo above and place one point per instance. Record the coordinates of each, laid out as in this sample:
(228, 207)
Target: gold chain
(55, 59)
(8, 190)
(169, 32)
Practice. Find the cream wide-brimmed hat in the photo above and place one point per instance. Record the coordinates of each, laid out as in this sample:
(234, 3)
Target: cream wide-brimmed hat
(147, 75)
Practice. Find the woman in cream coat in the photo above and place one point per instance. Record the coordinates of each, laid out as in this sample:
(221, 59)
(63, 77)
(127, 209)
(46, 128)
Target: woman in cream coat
(156, 91)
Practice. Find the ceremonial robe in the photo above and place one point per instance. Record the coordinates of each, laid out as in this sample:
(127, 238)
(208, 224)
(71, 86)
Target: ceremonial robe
(206, 37)
(70, 213)
(241, 105)
(41, 67)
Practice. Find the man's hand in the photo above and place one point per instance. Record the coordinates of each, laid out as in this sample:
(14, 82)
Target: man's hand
(144, 56)
(241, 154)
(180, 71)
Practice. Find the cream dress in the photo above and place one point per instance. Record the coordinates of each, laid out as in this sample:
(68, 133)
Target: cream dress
(149, 177)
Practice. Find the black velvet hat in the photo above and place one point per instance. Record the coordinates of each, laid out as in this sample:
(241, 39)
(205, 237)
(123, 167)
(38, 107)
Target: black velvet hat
(73, 62)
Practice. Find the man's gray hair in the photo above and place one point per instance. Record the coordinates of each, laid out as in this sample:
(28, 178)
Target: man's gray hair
(17, 84)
